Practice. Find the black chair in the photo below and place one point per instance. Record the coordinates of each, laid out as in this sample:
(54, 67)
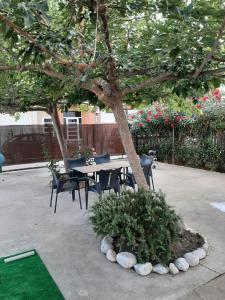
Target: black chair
(100, 159)
(146, 164)
(154, 154)
(64, 182)
(107, 180)
(79, 162)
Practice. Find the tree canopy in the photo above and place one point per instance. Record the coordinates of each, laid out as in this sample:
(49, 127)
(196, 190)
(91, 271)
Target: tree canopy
(136, 43)
(119, 50)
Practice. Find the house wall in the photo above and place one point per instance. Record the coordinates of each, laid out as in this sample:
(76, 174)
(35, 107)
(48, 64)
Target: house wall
(28, 118)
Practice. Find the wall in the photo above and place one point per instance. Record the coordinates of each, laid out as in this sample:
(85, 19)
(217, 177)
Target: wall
(28, 118)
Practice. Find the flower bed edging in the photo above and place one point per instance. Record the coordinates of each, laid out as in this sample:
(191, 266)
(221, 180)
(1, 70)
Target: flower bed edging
(128, 260)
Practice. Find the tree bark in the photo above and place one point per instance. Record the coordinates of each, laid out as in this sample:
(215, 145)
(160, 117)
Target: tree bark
(128, 144)
(59, 134)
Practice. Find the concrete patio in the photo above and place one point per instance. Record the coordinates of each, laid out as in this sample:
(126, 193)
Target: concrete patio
(70, 250)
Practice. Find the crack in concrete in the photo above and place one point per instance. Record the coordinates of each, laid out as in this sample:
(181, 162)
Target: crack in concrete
(205, 283)
(211, 270)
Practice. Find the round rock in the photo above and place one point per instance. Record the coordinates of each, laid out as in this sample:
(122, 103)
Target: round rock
(111, 255)
(181, 264)
(160, 269)
(192, 259)
(106, 244)
(200, 252)
(126, 259)
(205, 247)
(173, 269)
(143, 269)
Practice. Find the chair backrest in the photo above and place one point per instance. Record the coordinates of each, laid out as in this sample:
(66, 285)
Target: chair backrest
(109, 178)
(79, 162)
(114, 180)
(100, 159)
(104, 178)
(55, 180)
(146, 160)
(147, 170)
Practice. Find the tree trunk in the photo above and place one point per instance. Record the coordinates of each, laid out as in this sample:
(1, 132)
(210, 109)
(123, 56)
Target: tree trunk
(59, 135)
(128, 144)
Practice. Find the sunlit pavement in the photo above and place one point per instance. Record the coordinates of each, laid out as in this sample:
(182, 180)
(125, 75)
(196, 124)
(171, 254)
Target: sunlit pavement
(70, 249)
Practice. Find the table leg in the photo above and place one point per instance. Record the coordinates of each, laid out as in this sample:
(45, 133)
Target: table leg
(86, 192)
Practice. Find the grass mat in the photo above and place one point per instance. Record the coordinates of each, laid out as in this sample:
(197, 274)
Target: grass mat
(27, 279)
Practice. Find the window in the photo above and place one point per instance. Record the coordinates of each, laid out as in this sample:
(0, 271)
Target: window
(48, 125)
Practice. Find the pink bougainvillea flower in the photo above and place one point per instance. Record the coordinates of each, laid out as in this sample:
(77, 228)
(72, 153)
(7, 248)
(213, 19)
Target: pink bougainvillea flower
(178, 118)
(205, 98)
(141, 125)
(218, 97)
(172, 125)
(148, 119)
(141, 111)
(149, 113)
(216, 91)
(156, 116)
(160, 113)
(198, 106)
(166, 120)
(158, 109)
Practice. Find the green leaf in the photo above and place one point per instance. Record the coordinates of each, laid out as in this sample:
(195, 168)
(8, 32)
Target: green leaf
(28, 20)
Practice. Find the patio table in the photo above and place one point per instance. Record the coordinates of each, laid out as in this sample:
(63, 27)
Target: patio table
(114, 164)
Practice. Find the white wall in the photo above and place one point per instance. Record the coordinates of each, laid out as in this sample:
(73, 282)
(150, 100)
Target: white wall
(28, 118)
(106, 117)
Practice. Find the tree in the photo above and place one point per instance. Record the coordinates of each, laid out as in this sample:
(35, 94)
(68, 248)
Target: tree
(38, 92)
(117, 49)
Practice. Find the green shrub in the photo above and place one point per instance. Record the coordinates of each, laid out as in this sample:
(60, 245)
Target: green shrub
(212, 155)
(140, 222)
(189, 153)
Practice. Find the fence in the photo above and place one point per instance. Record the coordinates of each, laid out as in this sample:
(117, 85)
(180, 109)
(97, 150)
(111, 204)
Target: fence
(196, 148)
(25, 144)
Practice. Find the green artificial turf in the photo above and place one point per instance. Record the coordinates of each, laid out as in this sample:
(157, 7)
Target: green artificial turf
(27, 279)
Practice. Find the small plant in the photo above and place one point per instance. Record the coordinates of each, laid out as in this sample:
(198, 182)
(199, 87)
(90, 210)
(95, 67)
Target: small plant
(52, 163)
(140, 222)
(87, 152)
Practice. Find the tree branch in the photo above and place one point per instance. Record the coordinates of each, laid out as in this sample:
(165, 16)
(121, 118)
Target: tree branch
(214, 48)
(212, 72)
(32, 40)
(218, 59)
(102, 12)
(167, 77)
(46, 71)
(148, 83)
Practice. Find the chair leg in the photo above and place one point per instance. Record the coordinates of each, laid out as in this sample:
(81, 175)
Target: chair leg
(56, 199)
(73, 195)
(51, 197)
(79, 196)
(152, 183)
(86, 193)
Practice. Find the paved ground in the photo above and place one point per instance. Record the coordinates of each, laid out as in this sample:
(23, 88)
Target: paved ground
(70, 249)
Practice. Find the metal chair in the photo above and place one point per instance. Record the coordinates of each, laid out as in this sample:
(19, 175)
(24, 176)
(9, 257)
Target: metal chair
(107, 180)
(146, 164)
(79, 162)
(64, 182)
(100, 159)
(154, 154)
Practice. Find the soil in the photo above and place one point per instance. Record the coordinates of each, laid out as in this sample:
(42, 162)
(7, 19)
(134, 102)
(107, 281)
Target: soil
(188, 241)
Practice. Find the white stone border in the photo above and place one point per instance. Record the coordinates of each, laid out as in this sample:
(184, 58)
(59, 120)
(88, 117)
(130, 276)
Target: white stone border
(128, 260)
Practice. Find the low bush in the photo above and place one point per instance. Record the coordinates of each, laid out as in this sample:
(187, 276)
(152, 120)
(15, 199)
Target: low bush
(140, 222)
